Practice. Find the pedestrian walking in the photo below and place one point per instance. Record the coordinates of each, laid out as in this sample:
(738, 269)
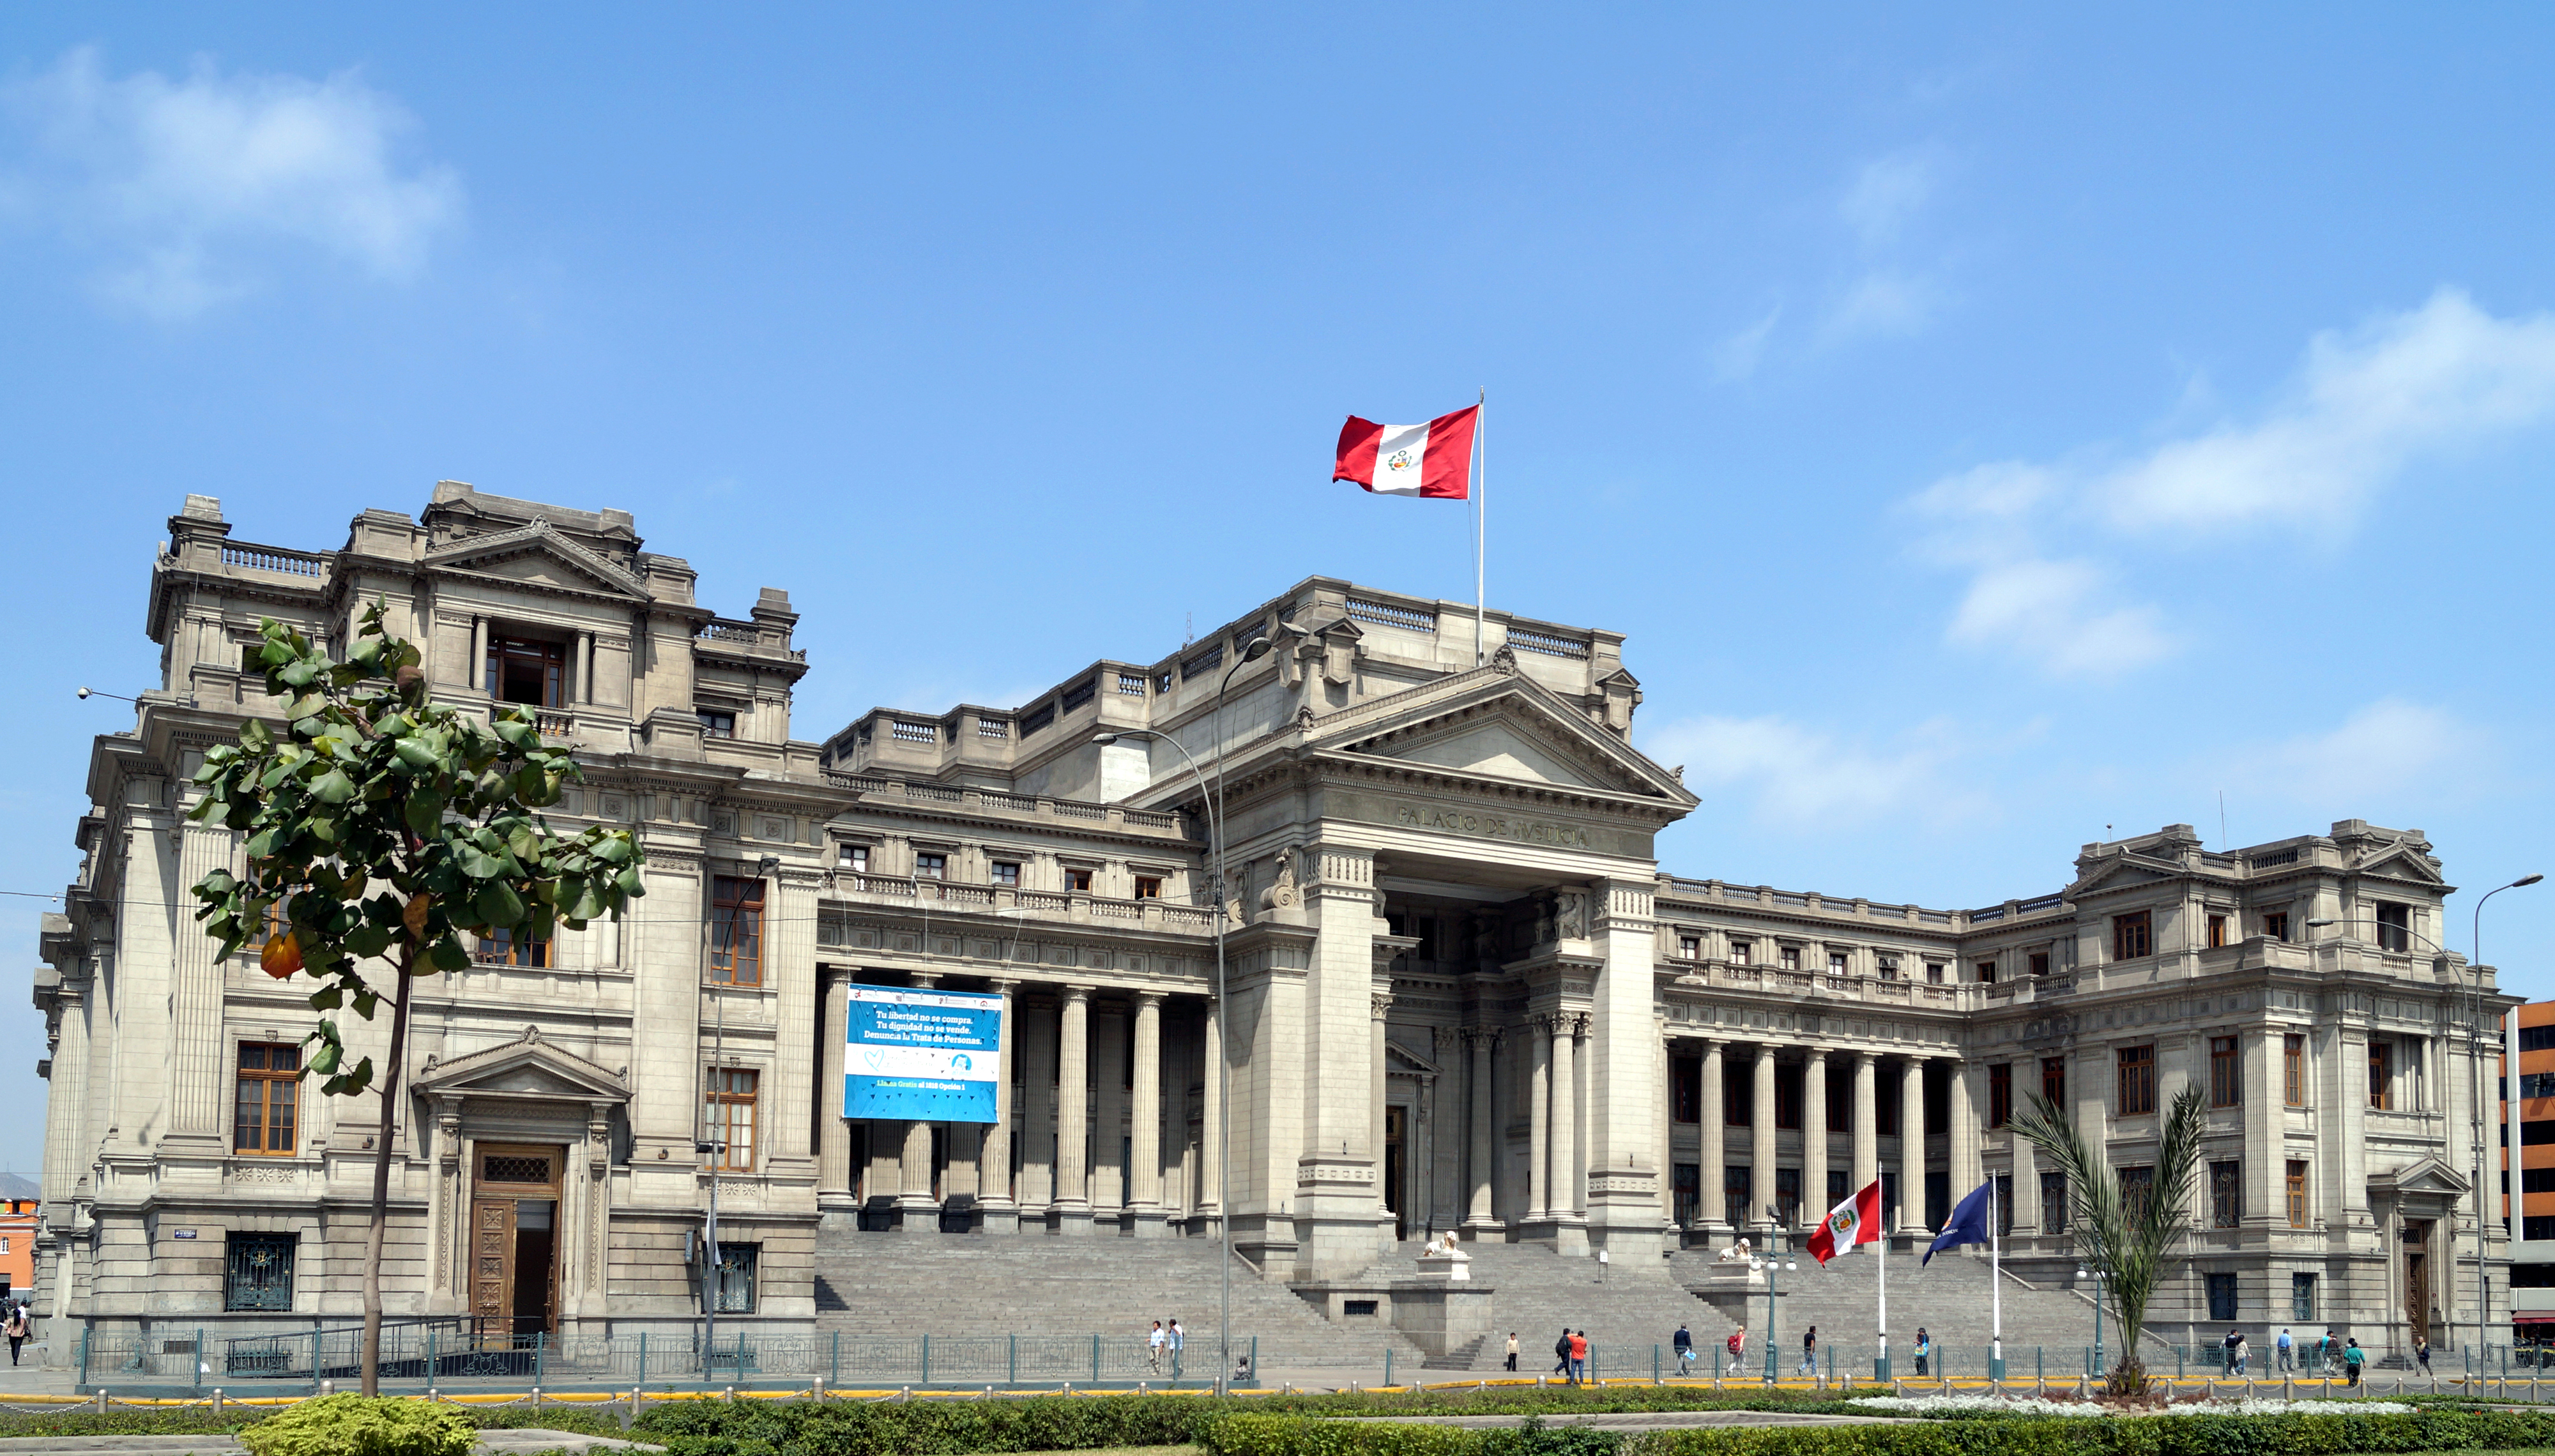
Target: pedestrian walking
(1561, 1354)
(1809, 1351)
(1512, 1366)
(1924, 1349)
(2351, 1358)
(2324, 1354)
(16, 1328)
(1178, 1340)
(1579, 1357)
(2282, 1349)
(1153, 1347)
(1739, 1349)
(2422, 1352)
(2234, 1343)
(1684, 1343)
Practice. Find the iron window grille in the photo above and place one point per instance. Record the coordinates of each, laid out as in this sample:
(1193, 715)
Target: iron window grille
(257, 1271)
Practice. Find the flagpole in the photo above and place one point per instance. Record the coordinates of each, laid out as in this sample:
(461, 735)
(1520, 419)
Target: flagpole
(1481, 516)
(1996, 1286)
(1880, 1280)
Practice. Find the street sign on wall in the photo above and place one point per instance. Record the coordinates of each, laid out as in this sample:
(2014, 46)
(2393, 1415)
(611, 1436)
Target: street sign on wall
(921, 1055)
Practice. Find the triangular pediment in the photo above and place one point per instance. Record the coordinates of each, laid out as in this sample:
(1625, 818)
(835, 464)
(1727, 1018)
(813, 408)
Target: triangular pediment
(1502, 727)
(2404, 864)
(539, 556)
(2427, 1176)
(526, 1068)
(2123, 872)
(1401, 1059)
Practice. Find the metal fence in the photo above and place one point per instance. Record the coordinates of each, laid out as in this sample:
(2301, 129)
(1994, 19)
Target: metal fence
(445, 1351)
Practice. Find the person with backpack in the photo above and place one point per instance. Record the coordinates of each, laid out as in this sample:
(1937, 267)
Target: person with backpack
(1924, 1349)
(1738, 1342)
(2422, 1352)
(15, 1328)
(1561, 1354)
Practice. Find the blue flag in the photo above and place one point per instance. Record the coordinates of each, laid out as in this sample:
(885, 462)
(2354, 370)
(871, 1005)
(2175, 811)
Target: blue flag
(1969, 1225)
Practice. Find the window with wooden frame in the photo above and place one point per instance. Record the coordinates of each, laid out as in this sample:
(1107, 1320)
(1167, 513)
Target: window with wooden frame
(716, 722)
(511, 947)
(1999, 1094)
(1987, 970)
(1837, 963)
(270, 1100)
(2381, 1076)
(1149, 886)
(2276, 924)
(533, 673)
(2133, 935)
(2297, 1183)
(2395, 928)
(1687, 1101)
(1742, 952)
(2226, 1194)
(930, 866)
(2226, 1072)
(2040, 963)
(1005, 872)
(1738, 1094)
(1077, 881)
(2137, 1081)
(2053, 1079)
(2293, 1069)
(1791, 957)
(852, 857)
(2137, 1184)
(728, 1117)
(1689, 947)
(1788, 1077)
(736, 930)
(2217, 932)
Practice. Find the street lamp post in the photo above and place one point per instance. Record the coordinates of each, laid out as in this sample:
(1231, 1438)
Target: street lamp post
(1252, 652)
(1772, 1262)
(2473, 989)
(2099, 1369)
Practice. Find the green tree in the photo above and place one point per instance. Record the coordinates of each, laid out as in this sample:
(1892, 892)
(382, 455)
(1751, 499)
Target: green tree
(381, 828)
(2126, 1233)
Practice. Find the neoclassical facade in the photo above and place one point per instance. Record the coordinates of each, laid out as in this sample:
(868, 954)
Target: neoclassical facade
(1460, 994)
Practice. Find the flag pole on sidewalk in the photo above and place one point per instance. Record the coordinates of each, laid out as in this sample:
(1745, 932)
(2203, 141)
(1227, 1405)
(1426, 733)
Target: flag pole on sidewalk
(1481, 518)
(1996, 1287)
(1880, 1281)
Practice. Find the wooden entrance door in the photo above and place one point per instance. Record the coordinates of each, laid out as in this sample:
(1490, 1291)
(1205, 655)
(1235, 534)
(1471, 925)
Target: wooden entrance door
(514, 1213)
(2417, 1278)
(1396, 1122)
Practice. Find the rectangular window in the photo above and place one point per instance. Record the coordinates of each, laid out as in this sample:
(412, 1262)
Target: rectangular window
(2222, 1296)
(2381, 1076)
(2053, 1203)
(1885, 1107)
(2276, 924)
(852, 857)
(2536, 1132)
(736, 1277)
(1741, 951)
(1149, 886)
(2226, 1074)
(2395, 928)
(2137, 1081)
(1836, 963)
(527, 672)
(1787, 1195)
(503, 947)
(2538, 1227)
(716, 723)
(1986, 973)
(1840, 1112)
(257, 1271)
(2217, 932)
(1999, 1094)
(269, 1099)
(2053, 1079)
(1690, 947)
(736, 930)
(2538, 1038)
(2040, 963)
(1739, 1094)
(2297, 1187)
(2132, 936)
(2302, 1299)
(2004, 1204)
(2136, 1184)
(2226, 1194)
(2293, 1069)
(1687, 1101)
(1836, 1186)
(1077, 881)
(1689, 1193)
(930, 866)
(1889, 968)
(1734, 1196)
(1787, 1095)
(729, 1117)
(1790, 956)
(1005, 872)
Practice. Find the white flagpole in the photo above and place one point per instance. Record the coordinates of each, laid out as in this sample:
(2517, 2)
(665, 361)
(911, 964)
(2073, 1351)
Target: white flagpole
(1481, 516)
(1881, 1280)
(1996, 1283)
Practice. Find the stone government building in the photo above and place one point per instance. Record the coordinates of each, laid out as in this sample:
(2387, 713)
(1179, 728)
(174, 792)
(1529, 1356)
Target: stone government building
(1465, 996)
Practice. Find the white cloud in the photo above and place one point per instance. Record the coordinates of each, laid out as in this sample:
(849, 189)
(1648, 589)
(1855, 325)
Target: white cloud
(2366, 404)
(1888, 191)
(1799, 776)
(1737, 356)
(1884, 302)
(181, 184)
(2388, 747)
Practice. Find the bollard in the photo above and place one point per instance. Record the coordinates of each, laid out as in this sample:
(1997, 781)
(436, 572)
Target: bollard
(729, 1396)
(217, 1402)
(537, 1398)
(101, 1400)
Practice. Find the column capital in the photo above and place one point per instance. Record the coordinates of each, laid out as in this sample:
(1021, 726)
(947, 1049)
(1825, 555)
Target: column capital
(1004, 985)
(1151, 998)
(1863, 1059)
(1816, 1055)
(1481, 1036)
(1076, 992)
(1378, 1004)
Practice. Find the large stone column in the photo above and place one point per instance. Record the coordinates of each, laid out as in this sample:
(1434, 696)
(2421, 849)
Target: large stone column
(1620, 1155)
(1378, 1088)
(1814, 1135)
(1563, 1180)
(1145, 1119)
(1477, 1213)
(1760, 1143)
(1072, 1207)
(918, 1211)
(1912, 1142)
(1714, 1211)
(1539, 1122)
(1337, 1178)
(1867, 1120)
(1038, 1109)
(834, 1145)
(1211, 1129)
(994, 1154)
(1963, 1144)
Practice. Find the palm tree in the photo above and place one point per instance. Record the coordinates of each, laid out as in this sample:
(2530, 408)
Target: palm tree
(2124, 1229)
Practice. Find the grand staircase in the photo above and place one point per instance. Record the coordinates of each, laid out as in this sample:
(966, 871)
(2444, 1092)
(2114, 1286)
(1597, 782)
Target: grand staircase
(1625, 1308)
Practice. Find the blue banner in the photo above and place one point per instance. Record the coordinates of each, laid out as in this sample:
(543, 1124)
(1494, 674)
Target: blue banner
(927, 1056)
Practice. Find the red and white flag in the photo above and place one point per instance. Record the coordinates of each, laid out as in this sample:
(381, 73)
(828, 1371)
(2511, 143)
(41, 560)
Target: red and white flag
(1435, 460)
(1855, 1221)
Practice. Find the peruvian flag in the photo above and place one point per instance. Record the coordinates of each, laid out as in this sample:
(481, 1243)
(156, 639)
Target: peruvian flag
(1435, 460)
(1855, 1221)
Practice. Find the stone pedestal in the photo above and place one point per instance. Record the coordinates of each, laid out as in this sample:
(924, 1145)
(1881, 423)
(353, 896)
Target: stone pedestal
(1335, 1225)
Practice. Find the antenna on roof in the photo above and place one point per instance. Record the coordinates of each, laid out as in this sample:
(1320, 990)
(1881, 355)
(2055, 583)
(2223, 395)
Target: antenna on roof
(2221, 821)
(1189, 628)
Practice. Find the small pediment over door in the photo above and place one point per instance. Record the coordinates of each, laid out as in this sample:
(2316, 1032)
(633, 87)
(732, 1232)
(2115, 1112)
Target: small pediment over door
(526, 1068)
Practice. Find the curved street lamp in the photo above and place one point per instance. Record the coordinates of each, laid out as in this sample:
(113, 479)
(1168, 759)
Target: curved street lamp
(1252, 652)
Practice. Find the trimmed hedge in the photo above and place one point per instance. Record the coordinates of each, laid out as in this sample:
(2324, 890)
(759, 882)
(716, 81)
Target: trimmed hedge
(353, 1425)
(2018, 1436)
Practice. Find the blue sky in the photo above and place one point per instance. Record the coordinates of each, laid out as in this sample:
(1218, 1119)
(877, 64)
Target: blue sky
(1988, 426)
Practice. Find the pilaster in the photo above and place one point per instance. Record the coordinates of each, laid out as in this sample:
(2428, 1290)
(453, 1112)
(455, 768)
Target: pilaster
(1715, 1210)
(1336, 1173)
(1071, 1210)
(1623, 1126)
(1814, 1134)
